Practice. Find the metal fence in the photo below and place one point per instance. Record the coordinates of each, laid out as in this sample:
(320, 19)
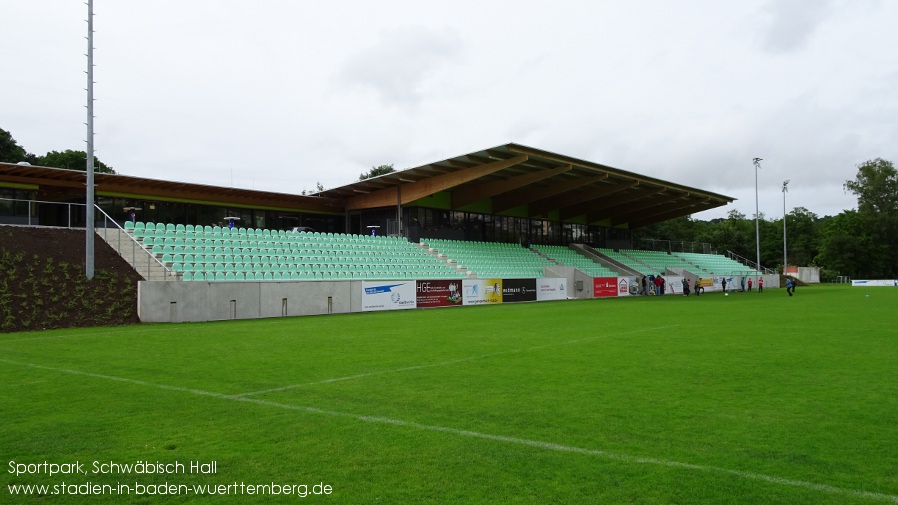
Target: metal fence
(41, 213)
(72, 216)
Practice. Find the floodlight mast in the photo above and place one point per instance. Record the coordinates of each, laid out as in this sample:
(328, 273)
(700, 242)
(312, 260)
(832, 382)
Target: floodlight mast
(785, 258)
(757, 163)
(89, 199)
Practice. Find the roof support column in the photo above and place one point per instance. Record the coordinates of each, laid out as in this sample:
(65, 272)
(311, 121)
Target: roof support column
(399, 209)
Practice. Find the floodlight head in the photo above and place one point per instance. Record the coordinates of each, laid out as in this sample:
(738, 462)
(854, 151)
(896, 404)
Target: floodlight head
(756, 160)
(786, 186)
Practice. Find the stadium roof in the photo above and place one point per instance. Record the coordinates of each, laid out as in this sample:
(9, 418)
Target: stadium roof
(519, 180)
(510, 179)
(54, 179)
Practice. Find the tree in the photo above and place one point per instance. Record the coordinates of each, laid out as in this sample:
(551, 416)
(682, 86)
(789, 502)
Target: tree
(847, 249)
(876, 187)
(11, 151)
(735, 233)
(72, 160)
(318, 187)
(376, 171)
(802, 236)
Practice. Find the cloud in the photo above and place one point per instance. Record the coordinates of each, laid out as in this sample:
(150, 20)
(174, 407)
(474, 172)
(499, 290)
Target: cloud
(402, 62)
(793, 23)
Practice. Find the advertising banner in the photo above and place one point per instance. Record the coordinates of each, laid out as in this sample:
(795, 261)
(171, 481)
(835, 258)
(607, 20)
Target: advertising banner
(439, 293)
(551, 288)
(673, 284)
(627, 286)
(604, 286)
(879, 282)
(518, 290)
(481, 291)
(732, 282)
(708, 283)
(388, 295)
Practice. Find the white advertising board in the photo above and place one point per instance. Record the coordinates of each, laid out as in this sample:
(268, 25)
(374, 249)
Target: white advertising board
(627, 286)
(879, 282)
(481, 291)
(388, 295)
(551, 288)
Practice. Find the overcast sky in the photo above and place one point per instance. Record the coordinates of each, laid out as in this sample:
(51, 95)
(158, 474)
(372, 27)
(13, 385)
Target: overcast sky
(278, 94)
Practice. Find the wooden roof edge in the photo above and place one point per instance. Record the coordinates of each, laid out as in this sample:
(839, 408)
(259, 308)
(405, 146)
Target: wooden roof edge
(51, 174)
(561, 158)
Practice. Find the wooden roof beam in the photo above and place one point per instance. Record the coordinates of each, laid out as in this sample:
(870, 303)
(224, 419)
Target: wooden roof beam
(425, 187)
(664, 208)
(674, 210)
(528, 195)
(620, 216)
(572, 207)
(42, 182)
(606, 207)
(490, 189)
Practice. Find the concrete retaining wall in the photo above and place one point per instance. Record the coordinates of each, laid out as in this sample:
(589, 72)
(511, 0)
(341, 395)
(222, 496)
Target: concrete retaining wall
(175, 302)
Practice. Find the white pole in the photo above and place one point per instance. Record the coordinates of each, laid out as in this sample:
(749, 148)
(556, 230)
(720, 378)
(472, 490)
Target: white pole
(89, 243)
(785, 258)
(757, 162)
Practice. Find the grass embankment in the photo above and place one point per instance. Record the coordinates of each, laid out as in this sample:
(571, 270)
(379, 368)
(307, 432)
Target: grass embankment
(42, 282)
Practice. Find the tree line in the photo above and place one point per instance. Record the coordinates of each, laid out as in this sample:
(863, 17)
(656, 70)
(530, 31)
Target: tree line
(12, 152)
(861, 243)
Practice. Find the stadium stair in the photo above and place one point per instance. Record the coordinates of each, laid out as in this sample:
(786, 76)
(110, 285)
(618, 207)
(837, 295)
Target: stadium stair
(135, 255)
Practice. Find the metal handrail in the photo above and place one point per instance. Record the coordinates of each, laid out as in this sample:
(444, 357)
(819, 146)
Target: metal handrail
(30, 202)
(745, 261)
(134, 245)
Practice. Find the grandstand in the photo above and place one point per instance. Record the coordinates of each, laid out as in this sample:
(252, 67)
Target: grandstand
(212, 253)
(449, 232)
(490, 259)
(568, 257)
(714, 264)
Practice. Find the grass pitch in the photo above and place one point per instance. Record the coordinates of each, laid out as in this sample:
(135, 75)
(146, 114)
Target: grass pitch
(751, 398)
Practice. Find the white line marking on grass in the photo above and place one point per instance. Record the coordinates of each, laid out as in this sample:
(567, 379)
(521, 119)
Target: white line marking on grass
(549, 446)
(368, 374)
(445, 363)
